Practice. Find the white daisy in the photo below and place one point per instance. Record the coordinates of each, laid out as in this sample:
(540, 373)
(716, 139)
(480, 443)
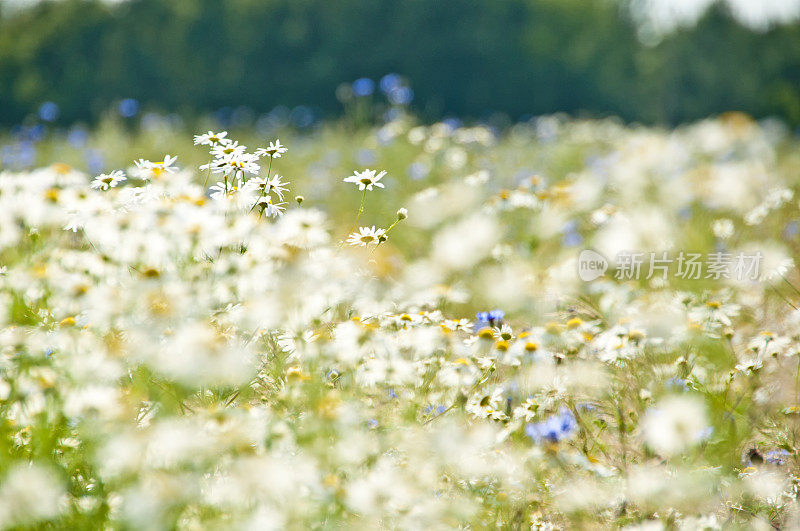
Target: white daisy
(503, 333)
(228, 148)
(366, 179)
(274, 150)
(209, 139)
(218, 191)
(157, 168)
(243, 162)
(487, 404)
(269, 208)
(463, 325)
(527, 410)
(365, 236)
(266, 186)
(110, 180)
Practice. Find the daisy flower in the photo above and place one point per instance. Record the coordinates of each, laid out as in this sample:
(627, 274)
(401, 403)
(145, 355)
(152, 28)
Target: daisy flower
(304, 228)
(218, 191)
(365, 236)
(487, 404)
(267, 186)
(713, 312)
(244, 162)
(463, 325)
(209, 139)
(503, 333)
(749, 366)
(110, 180)
(274, 150)
(269, 208)
(527, 410)
(289, 340)
(218, 165)
(228, 148)
(158, 168)
(366, 179)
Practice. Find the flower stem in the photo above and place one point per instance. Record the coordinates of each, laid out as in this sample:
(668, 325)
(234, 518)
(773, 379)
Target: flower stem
(208, 174)
(360, 211)
(269, 172)
(385, 233)
(355, 223)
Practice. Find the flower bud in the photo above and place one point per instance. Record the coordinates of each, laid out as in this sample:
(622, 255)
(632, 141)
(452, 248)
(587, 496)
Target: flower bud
(402, 214)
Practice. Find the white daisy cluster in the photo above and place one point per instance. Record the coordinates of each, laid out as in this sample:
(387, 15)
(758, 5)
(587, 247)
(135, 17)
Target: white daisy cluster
(242, 169)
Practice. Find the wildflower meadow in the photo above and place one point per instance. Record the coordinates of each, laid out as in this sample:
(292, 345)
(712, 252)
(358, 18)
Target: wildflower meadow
(567, 324)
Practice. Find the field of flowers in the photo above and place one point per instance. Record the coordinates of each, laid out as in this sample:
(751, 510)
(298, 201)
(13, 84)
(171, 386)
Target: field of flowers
(398, 327)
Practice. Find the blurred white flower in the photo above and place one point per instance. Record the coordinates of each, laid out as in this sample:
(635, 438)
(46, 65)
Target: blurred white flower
(465, 243)
(29, 494)
(674, 424)
(723, 228)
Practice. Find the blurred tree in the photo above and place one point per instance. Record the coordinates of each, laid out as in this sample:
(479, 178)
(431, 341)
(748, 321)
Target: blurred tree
(464, 57)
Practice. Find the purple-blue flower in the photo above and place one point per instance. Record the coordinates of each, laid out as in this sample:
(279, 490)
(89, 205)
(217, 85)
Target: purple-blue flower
(555, 428)
(489, 319)
(363, 87)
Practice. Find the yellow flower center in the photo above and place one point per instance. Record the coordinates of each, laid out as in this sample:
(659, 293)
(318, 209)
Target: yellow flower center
(486, 333)
(573, 323)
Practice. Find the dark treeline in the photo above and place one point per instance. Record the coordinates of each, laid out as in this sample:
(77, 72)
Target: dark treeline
(461, 57)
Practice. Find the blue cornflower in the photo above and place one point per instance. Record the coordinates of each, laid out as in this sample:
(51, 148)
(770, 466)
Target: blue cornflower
(390, 82)
(776, 457)
(497, 315)
(363, 87)
(677, 383)
(49, 111)
(401, 96)
(553, 429)
(791, 230)
(489, 319)
(36, 133)
(128, 108)
(77, 137)
(434, 409)
(572, 239)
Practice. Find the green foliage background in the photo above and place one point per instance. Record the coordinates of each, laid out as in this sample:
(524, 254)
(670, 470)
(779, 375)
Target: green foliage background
(463, 57)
